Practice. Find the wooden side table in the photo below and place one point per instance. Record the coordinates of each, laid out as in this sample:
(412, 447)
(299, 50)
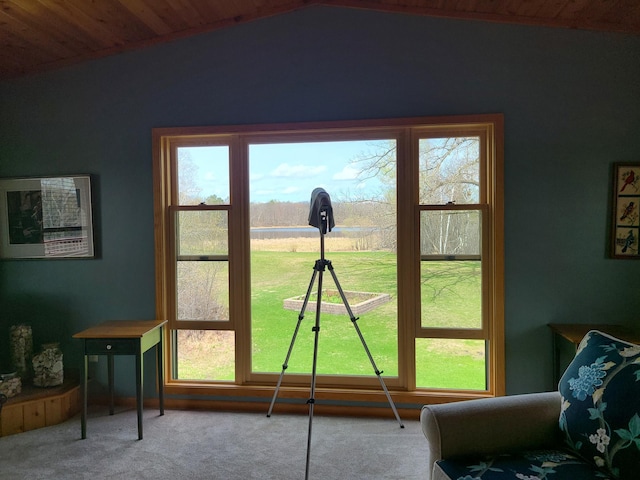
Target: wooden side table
(575, 332)
(123, 337)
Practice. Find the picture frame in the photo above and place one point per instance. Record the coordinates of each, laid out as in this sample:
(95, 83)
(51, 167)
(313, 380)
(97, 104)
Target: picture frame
(46, 217)
(625, 220)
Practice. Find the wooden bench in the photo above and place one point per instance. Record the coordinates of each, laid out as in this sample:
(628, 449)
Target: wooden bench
(39, 407)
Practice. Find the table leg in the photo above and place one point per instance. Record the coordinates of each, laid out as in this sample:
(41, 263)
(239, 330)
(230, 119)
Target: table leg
(83, 418)
(139, 379)
(111, 389)
(160, 375)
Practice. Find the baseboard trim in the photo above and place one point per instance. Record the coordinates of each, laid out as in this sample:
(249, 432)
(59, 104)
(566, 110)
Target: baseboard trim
(261, 406)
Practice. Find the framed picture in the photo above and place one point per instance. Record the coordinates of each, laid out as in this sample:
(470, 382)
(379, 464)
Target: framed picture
(46, 217)
(626, 211)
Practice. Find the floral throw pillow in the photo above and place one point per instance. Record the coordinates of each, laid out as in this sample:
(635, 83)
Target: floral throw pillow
(600, 415)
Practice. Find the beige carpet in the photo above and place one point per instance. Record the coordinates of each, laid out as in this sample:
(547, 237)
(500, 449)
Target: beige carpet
(211, 445)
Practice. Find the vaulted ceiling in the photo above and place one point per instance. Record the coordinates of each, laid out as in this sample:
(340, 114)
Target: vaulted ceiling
(38, 35)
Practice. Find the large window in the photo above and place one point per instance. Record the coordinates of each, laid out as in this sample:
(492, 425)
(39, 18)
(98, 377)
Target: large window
(284, 248)
(417, 248)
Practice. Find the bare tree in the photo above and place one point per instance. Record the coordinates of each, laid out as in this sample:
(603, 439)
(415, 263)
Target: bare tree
(448, 175)
(449, 170)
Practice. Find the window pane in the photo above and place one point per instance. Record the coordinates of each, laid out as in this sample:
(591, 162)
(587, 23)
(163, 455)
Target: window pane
(203, 232)
(451, 294)
(203, 175)
(451, 270)
(449, 363)
(450, 232)
(449, 170)
(360, 178)
(205, 355)
(203, 290)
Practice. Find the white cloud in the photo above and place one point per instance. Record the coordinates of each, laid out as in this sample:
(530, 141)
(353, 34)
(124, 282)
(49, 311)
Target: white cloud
(286, 170)
(347, 173)
(290, 190)
(275, 192)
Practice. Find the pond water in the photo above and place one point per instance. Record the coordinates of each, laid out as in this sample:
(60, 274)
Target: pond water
(306, 232)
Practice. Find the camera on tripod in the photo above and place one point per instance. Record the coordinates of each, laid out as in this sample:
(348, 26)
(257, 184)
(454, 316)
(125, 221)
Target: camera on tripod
(321, 211)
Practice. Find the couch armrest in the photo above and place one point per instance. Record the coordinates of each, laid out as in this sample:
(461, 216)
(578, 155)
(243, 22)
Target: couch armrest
(491, 425)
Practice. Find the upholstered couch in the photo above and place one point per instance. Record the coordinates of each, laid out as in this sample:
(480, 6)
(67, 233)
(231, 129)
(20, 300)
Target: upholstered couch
(589, 429)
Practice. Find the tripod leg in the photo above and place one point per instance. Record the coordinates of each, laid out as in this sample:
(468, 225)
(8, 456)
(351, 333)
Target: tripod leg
(312, 400)
(354, 320)
(285, 365)
(306, 469)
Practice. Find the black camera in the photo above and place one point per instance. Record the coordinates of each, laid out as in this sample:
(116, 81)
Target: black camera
(321, 211)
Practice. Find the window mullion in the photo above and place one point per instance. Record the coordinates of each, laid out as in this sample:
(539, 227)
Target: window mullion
(239, 252)
(407, 244)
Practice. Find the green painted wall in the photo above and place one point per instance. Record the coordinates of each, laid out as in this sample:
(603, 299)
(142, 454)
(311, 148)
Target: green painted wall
(571, 101)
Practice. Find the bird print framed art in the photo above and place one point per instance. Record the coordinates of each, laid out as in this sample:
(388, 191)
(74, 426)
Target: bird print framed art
(626, 211)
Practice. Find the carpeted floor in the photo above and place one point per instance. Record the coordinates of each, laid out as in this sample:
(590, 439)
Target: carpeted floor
(186, 445)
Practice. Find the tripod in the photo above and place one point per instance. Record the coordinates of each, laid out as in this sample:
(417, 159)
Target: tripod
(318, 271)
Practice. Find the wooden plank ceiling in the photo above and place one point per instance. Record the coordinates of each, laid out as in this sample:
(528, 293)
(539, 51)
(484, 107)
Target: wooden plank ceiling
(38, 35)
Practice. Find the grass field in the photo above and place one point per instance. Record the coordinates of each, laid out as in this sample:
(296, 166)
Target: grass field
(284, 269)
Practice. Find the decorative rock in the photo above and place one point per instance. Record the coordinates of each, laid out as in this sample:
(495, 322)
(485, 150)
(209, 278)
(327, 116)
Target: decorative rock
(48, 370)
(21, 346)
(11, 387)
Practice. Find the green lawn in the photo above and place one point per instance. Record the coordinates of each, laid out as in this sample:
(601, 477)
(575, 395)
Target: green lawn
(279, 275)
(440, 363)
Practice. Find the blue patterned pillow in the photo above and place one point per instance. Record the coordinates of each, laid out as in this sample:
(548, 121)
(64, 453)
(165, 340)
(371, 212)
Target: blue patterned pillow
(600, 415)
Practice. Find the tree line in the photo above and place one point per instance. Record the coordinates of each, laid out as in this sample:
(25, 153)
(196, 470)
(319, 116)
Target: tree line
(295, 214)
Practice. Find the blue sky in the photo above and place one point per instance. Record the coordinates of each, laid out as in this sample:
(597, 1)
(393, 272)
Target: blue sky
(289, 172)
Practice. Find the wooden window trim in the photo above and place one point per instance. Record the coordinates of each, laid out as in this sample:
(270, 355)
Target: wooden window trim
(407, 284)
